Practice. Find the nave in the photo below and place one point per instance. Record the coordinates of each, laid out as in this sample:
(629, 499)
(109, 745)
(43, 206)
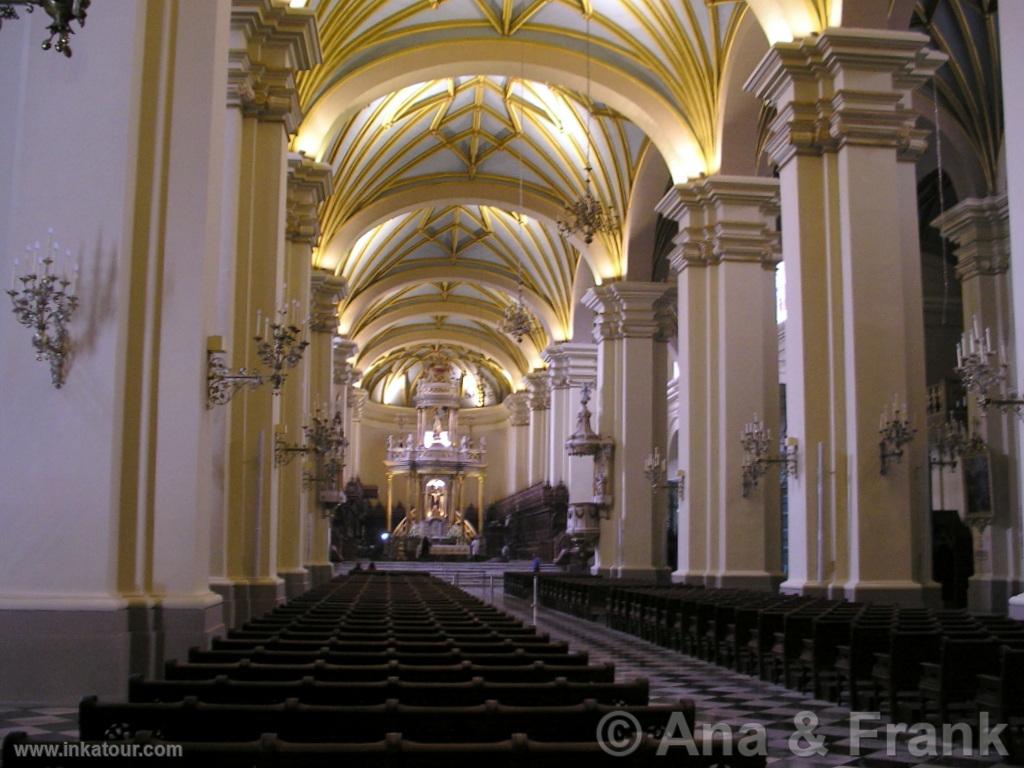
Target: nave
(342, 625)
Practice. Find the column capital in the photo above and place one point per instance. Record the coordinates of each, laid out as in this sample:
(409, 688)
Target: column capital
(625, 309)
(570, 364)
(518, 409)
(343, 350)
(326, 291)
(539, 390)
(356, 401)
(270, 41)
(724, 218)
(309, 184)
(844, 87)
(980, 228)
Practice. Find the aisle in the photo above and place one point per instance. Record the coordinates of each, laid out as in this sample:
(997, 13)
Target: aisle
(723, 696)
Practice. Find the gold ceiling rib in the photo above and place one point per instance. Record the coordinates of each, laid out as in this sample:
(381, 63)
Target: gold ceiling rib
(969, 84)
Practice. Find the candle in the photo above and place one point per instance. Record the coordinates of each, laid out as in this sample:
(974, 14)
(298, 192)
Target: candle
(259, 320)
(266, 327)
(14, 273)
(959, 356)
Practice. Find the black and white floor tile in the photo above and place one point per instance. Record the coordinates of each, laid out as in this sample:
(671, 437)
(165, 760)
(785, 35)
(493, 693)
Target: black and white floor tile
(723, 696)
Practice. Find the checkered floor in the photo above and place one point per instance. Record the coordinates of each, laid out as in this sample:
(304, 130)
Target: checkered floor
(721, 696)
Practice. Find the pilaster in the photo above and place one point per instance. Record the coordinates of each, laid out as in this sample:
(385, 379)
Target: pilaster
(980, 230)
(844, 135)
(626, 328)
(726, 253)
(309, 184)
(570, 365)
(1011, 19)
(539, 400)
(518, 407)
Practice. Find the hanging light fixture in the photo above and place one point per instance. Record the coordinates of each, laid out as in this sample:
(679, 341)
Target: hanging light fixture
(517, 321)
(586, 215)
(62, 12)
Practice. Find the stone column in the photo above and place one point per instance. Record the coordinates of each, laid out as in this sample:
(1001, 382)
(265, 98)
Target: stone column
(518, 409)
(270, 42)
(1011, 19)
(726, 254)
(309, 184)
(980, 230)
(539, 399)
(843, 140)
(626, 328)
(356, 401)
(326, 291)
(570, 366)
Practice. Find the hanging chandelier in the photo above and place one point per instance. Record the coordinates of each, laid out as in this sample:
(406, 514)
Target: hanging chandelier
(587, 216)
(62, 12)
(517, 321)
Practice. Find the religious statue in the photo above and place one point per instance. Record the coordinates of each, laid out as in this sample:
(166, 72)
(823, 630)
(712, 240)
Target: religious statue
(463, 444)
(390, 442)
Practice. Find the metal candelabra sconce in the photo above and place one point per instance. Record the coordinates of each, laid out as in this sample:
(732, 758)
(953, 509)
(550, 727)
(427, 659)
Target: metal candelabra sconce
(280, 346)
(895, 431)
(756, 441)
(62, 13)
(655, 469)
(950, 443)
(221, 382)
(45, 303)
(983, 370)
(325, 439)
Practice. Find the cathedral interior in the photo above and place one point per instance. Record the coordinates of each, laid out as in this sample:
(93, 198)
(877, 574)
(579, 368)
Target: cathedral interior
(701, 310)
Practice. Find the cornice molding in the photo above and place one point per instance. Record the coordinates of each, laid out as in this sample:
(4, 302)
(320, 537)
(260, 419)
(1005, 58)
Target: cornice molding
(980, 229)
(828, 92)
(309, 184)
(724, 218)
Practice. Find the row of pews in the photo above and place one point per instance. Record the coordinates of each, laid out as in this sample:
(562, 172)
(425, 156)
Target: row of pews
(381, 669)
(911, 663)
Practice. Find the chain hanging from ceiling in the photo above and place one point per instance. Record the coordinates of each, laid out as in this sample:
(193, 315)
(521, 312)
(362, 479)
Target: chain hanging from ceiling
(517, 322)
(586, 215)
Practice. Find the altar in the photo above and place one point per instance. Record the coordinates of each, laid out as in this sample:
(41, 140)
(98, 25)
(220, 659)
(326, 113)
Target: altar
(435, 463)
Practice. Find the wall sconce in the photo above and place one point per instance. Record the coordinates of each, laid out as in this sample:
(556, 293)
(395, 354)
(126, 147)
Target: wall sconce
(654, 468)
(756, 439)
(896, 432)
(221, 382)
(280, 346)
(45, 303)
(983, 370)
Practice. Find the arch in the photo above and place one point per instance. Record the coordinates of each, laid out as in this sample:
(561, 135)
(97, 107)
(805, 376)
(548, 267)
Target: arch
(383, 346)
(638, 231)
(740, 111)
(476, 192)
(959, 159)
(582, 316)
(488, 314)
(878, 14)
(786, 20)
(626, 94)
(467, 271)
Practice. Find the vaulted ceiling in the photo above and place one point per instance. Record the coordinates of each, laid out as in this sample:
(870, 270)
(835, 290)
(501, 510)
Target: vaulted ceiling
(457, 130)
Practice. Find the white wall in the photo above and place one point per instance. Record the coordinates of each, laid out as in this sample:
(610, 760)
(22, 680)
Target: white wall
(67, 140)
